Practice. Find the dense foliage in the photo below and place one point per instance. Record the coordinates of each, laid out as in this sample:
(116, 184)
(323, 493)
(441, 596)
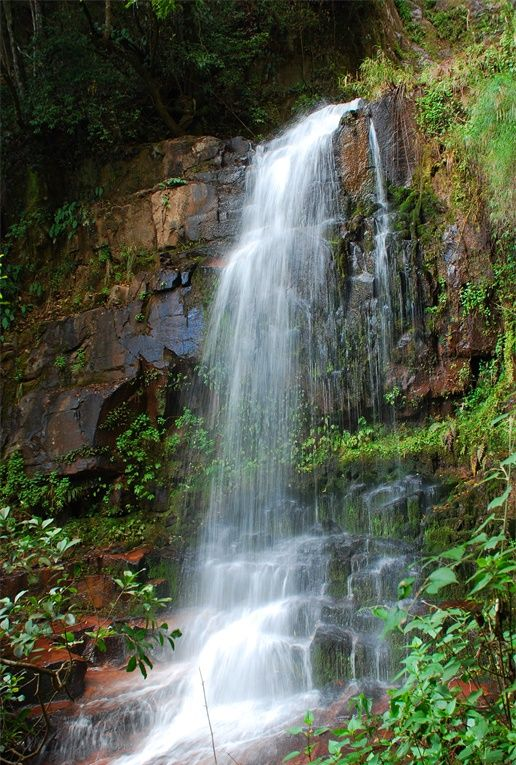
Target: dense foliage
(89, 76)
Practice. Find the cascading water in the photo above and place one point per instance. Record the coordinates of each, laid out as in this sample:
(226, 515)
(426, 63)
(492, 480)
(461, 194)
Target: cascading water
(263, 612)
(267, 350)
(381, 315)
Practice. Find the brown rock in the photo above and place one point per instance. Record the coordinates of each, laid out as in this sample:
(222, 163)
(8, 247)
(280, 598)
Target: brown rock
(353, 155)
(97, 589)
(185, 213)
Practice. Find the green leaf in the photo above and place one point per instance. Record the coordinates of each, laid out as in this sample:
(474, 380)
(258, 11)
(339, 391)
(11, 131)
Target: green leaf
(481, 583)
(334, 747)
(131, 664)
(500, 418)
(291, 756)
(405, 587)
(455, 553)
(499, 501)
(440, 578)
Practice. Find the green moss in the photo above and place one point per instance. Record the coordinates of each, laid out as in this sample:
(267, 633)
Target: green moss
(170, 570)
(337, 578)
(451, 25)
(125, 532)
(438, 536)
(329, 664)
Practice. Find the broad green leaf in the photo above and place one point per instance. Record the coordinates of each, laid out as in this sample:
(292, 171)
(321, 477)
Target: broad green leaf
(455, 553)
(499, 501)
(334, 747)
(440, 578)
(131, 664)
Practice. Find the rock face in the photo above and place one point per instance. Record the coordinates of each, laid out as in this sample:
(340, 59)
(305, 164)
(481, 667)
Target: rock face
(177, 202)
(433, 349)
(167, 216)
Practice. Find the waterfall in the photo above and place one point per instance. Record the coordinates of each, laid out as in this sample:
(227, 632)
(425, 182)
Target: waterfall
(280, 590)
(268, 347)
(382, 267)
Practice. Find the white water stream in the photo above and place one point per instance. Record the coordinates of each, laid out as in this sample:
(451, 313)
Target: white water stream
(382, 265)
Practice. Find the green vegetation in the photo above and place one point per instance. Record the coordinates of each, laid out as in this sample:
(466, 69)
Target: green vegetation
(376, 76)
(465, 438)
(37, 553)
(137, 450)
(474, 298)
(41, 494)
(66, 221)
(102, 75)
(456, 700)
(491, 142)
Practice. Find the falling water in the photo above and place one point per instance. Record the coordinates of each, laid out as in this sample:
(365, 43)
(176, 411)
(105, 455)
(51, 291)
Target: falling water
(267, 349)
(382, 266)
(261, 605)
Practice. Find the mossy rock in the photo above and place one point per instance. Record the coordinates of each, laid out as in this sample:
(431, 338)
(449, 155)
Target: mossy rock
(330, 654)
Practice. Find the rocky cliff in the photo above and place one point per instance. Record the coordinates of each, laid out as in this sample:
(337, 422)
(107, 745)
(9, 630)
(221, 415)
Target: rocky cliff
(149, 251)
(173, 206)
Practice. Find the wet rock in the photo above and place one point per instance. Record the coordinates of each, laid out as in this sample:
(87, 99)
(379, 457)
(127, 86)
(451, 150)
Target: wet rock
(11, 584)
(339, 567)
(135, 560)
(63, 414)
(98, 590)
(363, 587)
(395, 127)
(330, 653)
(69, 665)
(353, 155)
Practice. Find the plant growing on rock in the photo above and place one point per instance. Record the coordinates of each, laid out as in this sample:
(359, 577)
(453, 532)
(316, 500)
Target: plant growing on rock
(456, 699)
(42, 494)
(138, 450)
(39, 629)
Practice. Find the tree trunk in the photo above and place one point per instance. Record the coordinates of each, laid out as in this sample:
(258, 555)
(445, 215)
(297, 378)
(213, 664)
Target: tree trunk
(107, 20)
(37, 16)
(6, 5)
